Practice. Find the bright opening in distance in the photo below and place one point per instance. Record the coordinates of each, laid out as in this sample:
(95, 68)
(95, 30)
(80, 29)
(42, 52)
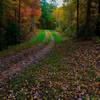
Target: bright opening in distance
(59, 3)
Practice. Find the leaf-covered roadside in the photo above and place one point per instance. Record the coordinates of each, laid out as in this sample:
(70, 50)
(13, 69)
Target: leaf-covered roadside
(69, 72)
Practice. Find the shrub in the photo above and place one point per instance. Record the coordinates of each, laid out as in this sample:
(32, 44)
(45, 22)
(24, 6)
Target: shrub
(12, 34)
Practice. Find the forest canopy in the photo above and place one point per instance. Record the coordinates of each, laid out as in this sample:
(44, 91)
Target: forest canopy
(21, 18)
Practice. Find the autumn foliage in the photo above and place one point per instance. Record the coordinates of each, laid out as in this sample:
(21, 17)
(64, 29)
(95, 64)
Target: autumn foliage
(18, 18)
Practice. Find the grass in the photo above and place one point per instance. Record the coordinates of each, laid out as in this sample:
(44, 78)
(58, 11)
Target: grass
(20, 47)
(15, 49)
(39, 38)
(57, 37)
(53, 35)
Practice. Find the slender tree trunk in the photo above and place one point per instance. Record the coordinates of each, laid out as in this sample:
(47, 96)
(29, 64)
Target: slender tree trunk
(98, 20)
(19, 19)
(88, 31)
(15, 15)
(99, 7)
(32, 25)
(77, 17)
(88, 16)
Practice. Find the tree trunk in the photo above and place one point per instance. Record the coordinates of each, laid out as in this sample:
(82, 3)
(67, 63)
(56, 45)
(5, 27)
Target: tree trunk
(98, 27)
(88, 16)
(99, 7)
(88, 30)
(77, 17)
(19, 19)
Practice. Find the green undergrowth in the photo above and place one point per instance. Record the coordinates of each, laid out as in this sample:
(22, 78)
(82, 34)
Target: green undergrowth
(39, 38)
(20, 47)
(15, 49)
(57, 37)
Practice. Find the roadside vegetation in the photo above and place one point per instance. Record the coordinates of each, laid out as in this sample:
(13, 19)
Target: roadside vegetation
(38, 39)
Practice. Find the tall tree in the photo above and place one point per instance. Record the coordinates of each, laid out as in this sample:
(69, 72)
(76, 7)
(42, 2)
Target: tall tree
(77, 17)
(98, 20)
(88, 16)
(19, 19)
(46, 18)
